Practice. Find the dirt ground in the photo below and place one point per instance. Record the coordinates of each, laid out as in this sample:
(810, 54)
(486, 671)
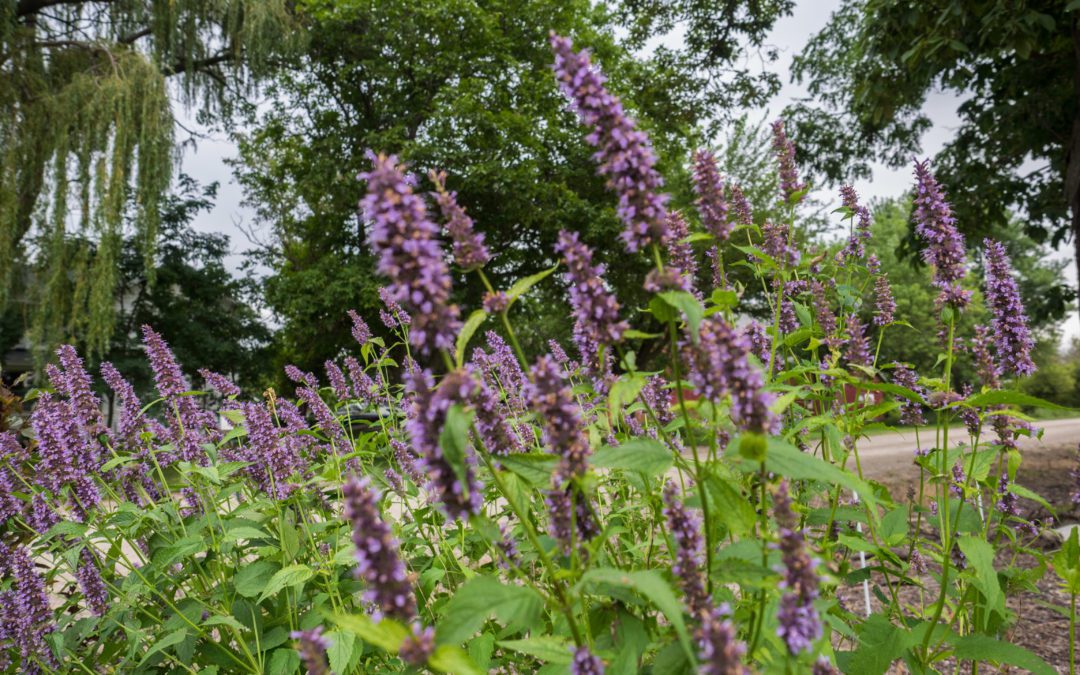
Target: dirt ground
(1039, 628)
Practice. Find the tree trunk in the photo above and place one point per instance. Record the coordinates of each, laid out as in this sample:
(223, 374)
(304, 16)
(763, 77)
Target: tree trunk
(1072, 166)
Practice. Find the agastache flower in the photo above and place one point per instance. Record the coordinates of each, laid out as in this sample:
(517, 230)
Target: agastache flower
(325, 417)
(911, 412)
(624, 152)
(586, 663)
(25, 608)
(740, 206)
(469, 249)
(74, 383)
(458, 499)
(93, 588)
(790, 185)
(800, 624)
(689, 554)
(271, 462)
(337, 381)
(936, 225)
(222, 384)
(389, 586)
(885, 306)
(760, 342)
(823, 312)
(418, 646)
(709, 188)
(301, 376)
(680, 253)
(187, 423)
(496, 302)
(721, 652)
(719, 366)
(394, 315)
(312, 646)
(776, 242)
(855, 247)
(1011, 334)
(408, 253)
(858, 347)
(360, 331)
(596, 310)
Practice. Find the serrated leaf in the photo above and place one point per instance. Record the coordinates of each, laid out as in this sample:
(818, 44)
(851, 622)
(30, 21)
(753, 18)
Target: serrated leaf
(516, 607)
(980, 559)
(624, 391)
(387, 634)
(650, 584)
(978, 647)
(174, 638)
(787, 460)
(287, 577)
(342, 644)
(880, 643)
(454, 442)
(252, 579)
(244, 532)
(1003, 397)
(732, 507)
(646, 455)
(535, 468)
(467, 330)
(221, 620)
(689, 306)
(283, 661)
(522, 286)
(548, 648)
(452, 659)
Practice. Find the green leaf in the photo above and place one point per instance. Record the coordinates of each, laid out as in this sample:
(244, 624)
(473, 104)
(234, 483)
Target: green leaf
(283, 661)
(731, 507)
(1002, 397)
(689, 306)
(454, 441)
(471, 324)
(387, 634)
(534, 467)
(244, 532)
(624, 392)
(293, 575)
(453, 659)
(977, 647)
(115, 462)
(651, 585)
(342, 644)
(724, 299)
(548, 648)
(646, 455)
(1067, 562)
(635, 334)
(980, 558)
(480, 598)
(787, 460)
(221, 620)
(522, 286)
(880, 643)
(174, 638)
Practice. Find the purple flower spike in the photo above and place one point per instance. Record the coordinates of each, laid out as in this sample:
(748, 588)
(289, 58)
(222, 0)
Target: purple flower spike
(785, 157)
(586, 663)
(689, 554)
(418, 646)
(301, 377)
(337, 381)
(721, 651)
(911, 412)
(93, 588)
(74, 383)
(550, 397)
(360, 331)
(1011, 335)
(428, 416)
(496, 302)
(719, 366)
(776, 242)
(711, 203)
(469, 249)
(800, 624)
(885, 306)
(680, 253)
(312, 646)
(855, 247)
(389, 586)
(406, 242)
(222, 384)
(740, 207)
(935, 224)
(394, 315)
(858, 347)
(596, 310)
(25, 608)
(624, 152)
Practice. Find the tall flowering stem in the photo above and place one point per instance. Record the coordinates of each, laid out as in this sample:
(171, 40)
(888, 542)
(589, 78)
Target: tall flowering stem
(624, 152)
(689, 553)
(469, 249)
(936, 225)
(790, 185)
(408, 251)
(711, 202)
(1011, 334)
(800, 624)
(596, 311)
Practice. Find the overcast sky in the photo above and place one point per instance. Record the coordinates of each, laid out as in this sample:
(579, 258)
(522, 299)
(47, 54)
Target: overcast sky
(206, 162)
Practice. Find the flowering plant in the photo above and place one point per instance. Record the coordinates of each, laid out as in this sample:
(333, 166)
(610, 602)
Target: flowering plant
(505, 513)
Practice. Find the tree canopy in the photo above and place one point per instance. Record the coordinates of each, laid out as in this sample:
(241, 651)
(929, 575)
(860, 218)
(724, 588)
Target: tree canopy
(1015, 70)
(466, 88)
(87, 132)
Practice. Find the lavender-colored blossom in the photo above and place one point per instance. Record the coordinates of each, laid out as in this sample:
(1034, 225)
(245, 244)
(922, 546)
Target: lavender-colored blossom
(363, 387)
(740, 206)
(858, 346)
(325, 417)
(688, 558)
(63, 454)
(130, 413)
(496, 302)
(624, 153)
(301, 376)
(760, 342)
(911, 412)
(93, 588)
(312, 646)
(1007, 501)
(508, 547)
(469, 249)
(41, 516)
(360, 331)
(823, 312)
(1011, 334)
(669, 278)
(956, 486)
(337, 381)
(408, 251)
(551, 398)
(716, 264)
(884, 305)
(389, 586)
(970, 416)
(985, 366)
(856, 245)
(719, 366)
(711, 203)
(586, 663)
(936, 225)
(418, 646)
(596, 311)
(407, 462)
(496, 432)
(394, 315)
(800, 624)
(784, 148)
(74, 383)
(10, 504)
(457, 499)
(271, 462)
(222, 384)
(189, 426)
(680, 253)
(873, 265)
(25, 607)
(777, 244)
(721, 652)
(918, 563)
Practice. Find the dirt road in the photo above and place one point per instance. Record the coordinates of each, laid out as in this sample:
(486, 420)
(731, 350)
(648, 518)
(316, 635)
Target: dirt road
(888, 457)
